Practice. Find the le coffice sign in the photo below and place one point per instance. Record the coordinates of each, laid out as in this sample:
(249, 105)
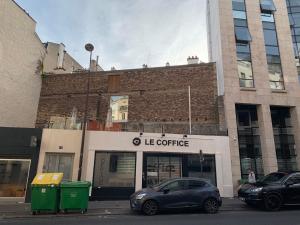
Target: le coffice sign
(160, 142)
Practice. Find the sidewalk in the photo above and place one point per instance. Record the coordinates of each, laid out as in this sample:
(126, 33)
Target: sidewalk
(22, 210)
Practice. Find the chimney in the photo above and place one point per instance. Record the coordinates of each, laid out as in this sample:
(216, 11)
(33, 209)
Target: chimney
(97, 60)
(145, 66)
(167, 64)
(93, 67)
(113, 68)
(192, 60)
(61, 55)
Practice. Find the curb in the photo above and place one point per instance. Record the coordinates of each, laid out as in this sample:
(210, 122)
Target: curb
(105, 212)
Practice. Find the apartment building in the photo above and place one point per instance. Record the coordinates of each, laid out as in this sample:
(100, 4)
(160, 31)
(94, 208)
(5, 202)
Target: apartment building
(251, 43)
(23, 59)
(58, 61)
(20, 51)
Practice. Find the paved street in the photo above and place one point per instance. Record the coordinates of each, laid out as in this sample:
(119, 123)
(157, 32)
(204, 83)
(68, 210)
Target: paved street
(253, 217)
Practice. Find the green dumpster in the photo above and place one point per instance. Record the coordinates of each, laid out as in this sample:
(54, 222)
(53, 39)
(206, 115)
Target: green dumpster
(74, 196)
(45, 192)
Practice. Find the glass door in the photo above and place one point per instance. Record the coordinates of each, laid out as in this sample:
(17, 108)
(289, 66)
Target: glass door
(161, 167)
(152, 170)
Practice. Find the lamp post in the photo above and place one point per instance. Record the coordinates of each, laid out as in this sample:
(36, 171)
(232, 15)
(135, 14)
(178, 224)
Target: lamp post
(89, 47)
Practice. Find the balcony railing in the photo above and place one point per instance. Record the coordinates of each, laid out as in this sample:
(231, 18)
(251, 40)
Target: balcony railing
(146, 127)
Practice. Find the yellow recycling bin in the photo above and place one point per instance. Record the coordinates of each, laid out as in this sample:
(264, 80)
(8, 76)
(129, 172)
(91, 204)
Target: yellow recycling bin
(45, 192)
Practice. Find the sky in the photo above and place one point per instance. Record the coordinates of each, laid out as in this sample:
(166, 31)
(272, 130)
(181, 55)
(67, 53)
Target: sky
(126, 33)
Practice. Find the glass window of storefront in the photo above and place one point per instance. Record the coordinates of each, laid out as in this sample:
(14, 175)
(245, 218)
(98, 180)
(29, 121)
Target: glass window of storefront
(114, 169)
(206, 169)
(249, 140)
(13, 177)
(284, 139)
(114, 175)
(160, 167)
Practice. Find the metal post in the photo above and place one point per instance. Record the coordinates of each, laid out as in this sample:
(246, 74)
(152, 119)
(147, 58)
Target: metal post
(89, 48)
(201, 159)
(190, 110)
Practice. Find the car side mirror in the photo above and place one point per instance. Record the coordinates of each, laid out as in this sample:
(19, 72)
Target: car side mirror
(166, 191)
(289, 183)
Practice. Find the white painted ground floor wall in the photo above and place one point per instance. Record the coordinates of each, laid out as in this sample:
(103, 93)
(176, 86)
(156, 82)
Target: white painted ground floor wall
(97, 141)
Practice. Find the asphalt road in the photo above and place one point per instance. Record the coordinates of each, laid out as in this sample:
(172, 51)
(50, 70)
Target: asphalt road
(286, 217)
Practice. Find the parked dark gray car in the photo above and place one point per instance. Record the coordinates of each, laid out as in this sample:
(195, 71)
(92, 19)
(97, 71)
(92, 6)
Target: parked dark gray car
(176, 194)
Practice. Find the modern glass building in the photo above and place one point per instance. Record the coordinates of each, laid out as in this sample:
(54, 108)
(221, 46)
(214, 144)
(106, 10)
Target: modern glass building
(293, 7)
(254, 44)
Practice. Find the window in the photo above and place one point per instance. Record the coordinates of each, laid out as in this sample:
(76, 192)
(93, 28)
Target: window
(245, 73)
(206, 169)
(13, 177)
(239, 14)
(265, 17)
(272, 51)
(175, 186)
(270, 37)
(114, 169)
(267, 5)
(243, 39)
(238, 5)
(196, 184)
(294, 18)
(244, 65)
(249, 140)
(118, 111)
(283, 138)
(295, 179)
(242, 34)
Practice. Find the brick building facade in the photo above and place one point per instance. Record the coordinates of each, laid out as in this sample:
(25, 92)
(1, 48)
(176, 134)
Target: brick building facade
(158, 97)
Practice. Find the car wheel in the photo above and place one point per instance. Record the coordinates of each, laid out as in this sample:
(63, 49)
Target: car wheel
(211, 206)
(150, 208)
(272, 202)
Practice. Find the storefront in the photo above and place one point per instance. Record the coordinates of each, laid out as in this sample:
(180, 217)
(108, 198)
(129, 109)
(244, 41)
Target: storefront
(119, 163)
(19, 152)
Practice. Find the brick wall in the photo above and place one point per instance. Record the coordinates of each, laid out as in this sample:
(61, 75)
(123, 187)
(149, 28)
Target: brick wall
(156, 95)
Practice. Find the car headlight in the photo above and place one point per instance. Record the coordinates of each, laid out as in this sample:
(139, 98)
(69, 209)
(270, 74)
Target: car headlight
(257, 189)
(140, 196)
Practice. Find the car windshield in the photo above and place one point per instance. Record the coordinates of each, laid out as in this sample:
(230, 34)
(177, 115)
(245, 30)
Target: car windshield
(273, 177)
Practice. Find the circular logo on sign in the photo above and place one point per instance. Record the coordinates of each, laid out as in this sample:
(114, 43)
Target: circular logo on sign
(136, 141)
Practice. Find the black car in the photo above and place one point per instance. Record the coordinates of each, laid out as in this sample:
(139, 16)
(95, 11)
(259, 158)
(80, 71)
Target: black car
(176, 194)
(273, 191)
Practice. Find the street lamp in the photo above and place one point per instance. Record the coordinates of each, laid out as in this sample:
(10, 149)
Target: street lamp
(89, 47)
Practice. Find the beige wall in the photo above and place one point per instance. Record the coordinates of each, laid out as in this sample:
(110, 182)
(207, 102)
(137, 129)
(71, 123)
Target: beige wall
(20, 50)
(261, 95)
(52, 139)
(50, 61)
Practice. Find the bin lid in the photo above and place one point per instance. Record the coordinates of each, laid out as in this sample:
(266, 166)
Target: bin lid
(75, 184)
(47, 178)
